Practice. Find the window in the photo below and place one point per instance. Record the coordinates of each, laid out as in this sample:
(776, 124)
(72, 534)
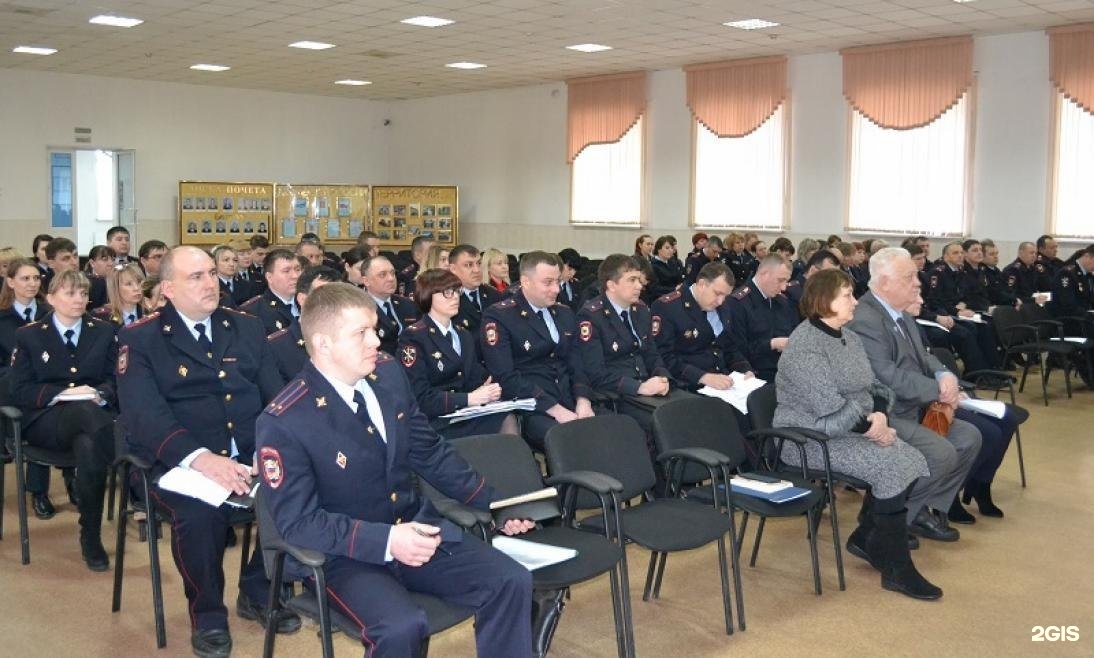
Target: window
(60, 190)
(1073, 193)
(607, 182)
(740, 182)
(913, 180)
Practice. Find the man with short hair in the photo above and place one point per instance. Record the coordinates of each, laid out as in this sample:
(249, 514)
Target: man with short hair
(419, 249)
(916, 379)
(761, 317)
(1046, 254)
(529, 347)
(260, 246)
(823, 259)
(998, 292)
(465, 262)
(947, 297)
(568, 292)
(1073, 297)
(311, 251)
(275, 306)
(691, 328)
(60, 256)
(150, 255)
(370, 241)
(395, 312)
(1026, 277)
(339, 453)
(287, 345)
(710, 253)
(192, 378)
(117, 238)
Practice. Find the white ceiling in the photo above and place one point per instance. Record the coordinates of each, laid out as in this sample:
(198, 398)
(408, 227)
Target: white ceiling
(522, 41)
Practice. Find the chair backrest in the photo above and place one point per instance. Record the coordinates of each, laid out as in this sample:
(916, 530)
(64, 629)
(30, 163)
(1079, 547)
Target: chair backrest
(699, 422)
(947, 359)
(505, 461)
(1005, 317)
(761, 406)
(610, 444)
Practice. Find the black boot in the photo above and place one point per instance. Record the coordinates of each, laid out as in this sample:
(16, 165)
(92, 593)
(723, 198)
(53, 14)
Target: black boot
(89, 489)
(856, 543)
(981, 493)
(887, 547)
(959, 514)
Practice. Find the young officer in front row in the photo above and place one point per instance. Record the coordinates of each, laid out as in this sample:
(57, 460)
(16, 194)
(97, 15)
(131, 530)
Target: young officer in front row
(336, 449)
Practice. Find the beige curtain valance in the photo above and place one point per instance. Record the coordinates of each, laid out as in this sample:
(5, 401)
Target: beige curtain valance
(910, 84)
(600, 110)
(1071, 63)
(734, 98)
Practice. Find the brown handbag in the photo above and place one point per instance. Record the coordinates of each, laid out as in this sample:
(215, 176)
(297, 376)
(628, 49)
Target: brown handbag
(938, 418)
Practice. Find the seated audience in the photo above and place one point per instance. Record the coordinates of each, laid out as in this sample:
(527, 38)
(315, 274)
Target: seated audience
(497, 269)
(760, 316)
(568, 285)
(668, 272)
(466, 263)
(710, 253)
(1046, 254)
(60, 257)
(150, 255)
(1073, 297)
(419, 248)
(100, 263)
(233, 291)
(370, 241)
(947, 296)
(825, 383)
(698, 243)
(311, 250)
(124, 294)
(276, 306)
(821, 260)
(152, 298)
(394, 312)
(117, 238)
(1026, 277)
(287, 346)
(643, 246)
(38, 251)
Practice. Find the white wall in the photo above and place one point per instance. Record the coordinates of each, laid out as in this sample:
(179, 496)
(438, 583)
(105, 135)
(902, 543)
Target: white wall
(179, 132)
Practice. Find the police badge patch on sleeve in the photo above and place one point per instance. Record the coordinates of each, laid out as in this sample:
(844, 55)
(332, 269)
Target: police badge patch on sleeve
(409, 356)
(272, 471)
(585, 331)
(490, 331)
(123, 359)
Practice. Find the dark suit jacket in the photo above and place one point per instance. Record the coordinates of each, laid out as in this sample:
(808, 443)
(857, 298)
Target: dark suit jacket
(613, 358)
(267, 307)
(387, 329)
(441, 379)
(898, 362)
(240, 292)
(42, 365)
(288, 351)
(176, 399)
(469, 317)
(9, 322)
(336, 488)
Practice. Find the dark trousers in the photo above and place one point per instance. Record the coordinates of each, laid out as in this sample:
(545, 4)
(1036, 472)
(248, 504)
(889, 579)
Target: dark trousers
(482, 425)
(474, 575)
(996, 433)
(87, 430)
(198, 535)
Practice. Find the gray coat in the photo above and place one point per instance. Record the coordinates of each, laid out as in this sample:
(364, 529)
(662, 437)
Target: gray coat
(826, 383)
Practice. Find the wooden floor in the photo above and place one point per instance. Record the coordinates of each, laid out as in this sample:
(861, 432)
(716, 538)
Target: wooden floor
(1002, 579)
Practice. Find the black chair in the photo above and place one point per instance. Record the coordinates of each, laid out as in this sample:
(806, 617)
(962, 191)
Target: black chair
(313, 603)
(761, 409)
(615, 446)
(1075, 331)
(710, 424)
(23, 453)
(1029, 342)
(508, 465)
(995, 381)
(124, 463)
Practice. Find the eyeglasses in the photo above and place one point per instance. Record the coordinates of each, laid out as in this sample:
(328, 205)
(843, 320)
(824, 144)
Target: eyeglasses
(449, 293)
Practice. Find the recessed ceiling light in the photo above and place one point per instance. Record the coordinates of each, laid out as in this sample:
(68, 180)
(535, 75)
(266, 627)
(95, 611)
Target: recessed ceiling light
(589, 47)
(465, 65)
(751, 24)
(353, 83)
(311, 45)
(33, 50)
(963, 1)
(115, 21)
(427, 21)
(210, 67)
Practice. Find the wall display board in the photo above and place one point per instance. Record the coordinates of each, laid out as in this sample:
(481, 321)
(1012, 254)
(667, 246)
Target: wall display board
(214, 212)
(401, 213)
(336, 213)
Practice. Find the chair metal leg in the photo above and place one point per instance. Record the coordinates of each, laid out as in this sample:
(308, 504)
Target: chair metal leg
(119, 544)
(649, 576)
(813, 551)
(273, 606)
(727, 607)
(324, 613)
(620, 630)
(735, 555)
(660, 575)
(835, 534)
(1044, 378)
(112, 484)
(21, 495)
(245, 554)
(3, 470)
(154, 563)
(741, 533)
(756, 542)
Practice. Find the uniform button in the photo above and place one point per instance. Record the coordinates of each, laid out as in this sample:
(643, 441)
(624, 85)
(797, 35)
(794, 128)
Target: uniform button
(222, 374)
(394, 496)
(71, 384)
(398, 520)
(228, 397)
(224, 452)
(552, 355)
(556, 380)
(72, 369)
(459, 373)
(229, 424)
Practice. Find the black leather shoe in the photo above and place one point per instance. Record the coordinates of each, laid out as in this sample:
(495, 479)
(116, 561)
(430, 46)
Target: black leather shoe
(959, 514)
(214, 643)
(94, 554)
(929, 526)
(43, 506)
(288, 621)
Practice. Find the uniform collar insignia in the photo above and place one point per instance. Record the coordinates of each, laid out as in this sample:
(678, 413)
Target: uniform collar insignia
(321, 401)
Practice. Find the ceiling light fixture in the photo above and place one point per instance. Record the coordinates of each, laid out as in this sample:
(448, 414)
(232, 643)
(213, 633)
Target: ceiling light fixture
(210, 67)
(311, 45)
(751, 24)
(427, 21)
(465, 65)
(589, 47)
(353, 83)
(33, 50)
(115, 21)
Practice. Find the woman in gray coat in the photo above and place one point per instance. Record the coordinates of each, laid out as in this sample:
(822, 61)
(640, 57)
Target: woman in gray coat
(825, 383)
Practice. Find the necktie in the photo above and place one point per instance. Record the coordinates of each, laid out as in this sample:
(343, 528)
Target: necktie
(550, 327)
(69, 333)
(231, 288)
(129, 319)
(907, 333)
(474, 297)
(389, 310)
(363, 415)
(627, 322)
(26, 314)
(203, 339)
(455, 341)
(566, 291)
(715, 322)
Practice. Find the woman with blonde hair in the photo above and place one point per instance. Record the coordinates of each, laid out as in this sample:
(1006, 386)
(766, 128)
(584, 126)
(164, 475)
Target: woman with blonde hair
(152, 298)
(7, 255)
(496, 264)
(124, 295)
(436, 258)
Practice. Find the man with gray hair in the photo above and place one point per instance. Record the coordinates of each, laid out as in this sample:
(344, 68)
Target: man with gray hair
(761, 317)
(916, 378)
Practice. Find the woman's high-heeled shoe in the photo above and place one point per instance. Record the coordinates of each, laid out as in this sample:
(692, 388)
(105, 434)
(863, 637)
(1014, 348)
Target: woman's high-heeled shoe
(981, 493)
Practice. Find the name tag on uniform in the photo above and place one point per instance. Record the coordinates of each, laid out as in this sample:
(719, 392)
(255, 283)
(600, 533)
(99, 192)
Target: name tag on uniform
(230, 359)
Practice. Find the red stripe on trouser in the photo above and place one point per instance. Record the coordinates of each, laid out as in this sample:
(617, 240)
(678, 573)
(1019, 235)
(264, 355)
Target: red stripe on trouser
(176, 539)
(370, 646)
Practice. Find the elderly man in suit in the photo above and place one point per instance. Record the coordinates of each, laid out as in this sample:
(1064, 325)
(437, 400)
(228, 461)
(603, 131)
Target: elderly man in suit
(917, 379)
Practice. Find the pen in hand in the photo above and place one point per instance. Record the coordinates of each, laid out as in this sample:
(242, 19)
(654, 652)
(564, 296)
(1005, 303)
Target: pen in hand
(423, 533)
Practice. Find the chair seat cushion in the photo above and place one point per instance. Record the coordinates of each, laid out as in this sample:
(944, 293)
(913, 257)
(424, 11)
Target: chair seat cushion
(755, 505)
(441, 615)
(58, 458)
(595, 556)
(669, 524)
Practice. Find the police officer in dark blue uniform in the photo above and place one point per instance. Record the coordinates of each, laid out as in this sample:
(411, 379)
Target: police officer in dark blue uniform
(336, 451)
(761, 317)
(711, 253)
(233, 291)
(275, 306)
(419, 248)
(822, 259)
(396, 312)
(465, 262)
(1073, 297)
(529, 348)
(287, 345)
(569, 288)
(668, 271)
(1025, 276)
(1046, 255)
(442, 362)
(192, 379)
(690, 327)
(946, 295)
(62, 379)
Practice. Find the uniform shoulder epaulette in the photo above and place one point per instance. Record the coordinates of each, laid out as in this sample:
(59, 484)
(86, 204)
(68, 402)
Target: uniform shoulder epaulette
(383, 357)
(142, 321)
(1069, 268)
(235, 311)
(98, 320)
(641, 305)
(420, 325)
(940, 267)
(408, 269)
(251, 302)
(793, 283)
(277, 335)
(668, 297)
(742, 292)
(506, 303)
(101, 312)
(288, 396)
(593, 305)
